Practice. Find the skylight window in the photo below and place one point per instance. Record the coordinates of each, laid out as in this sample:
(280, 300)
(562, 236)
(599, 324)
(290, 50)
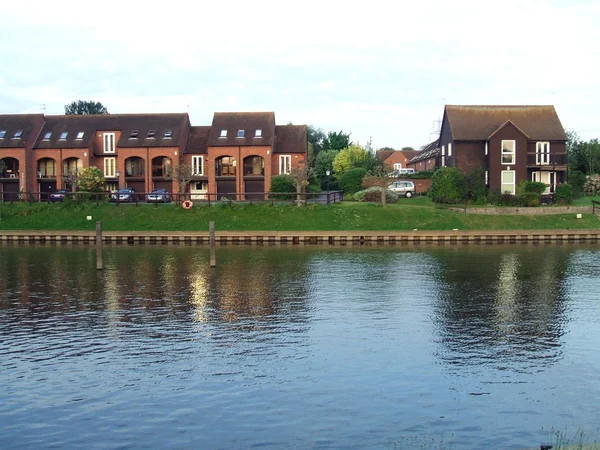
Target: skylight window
(80, 135)
(48, 135)
(18, 134)
(2, 134)
(134, 134)
(151, 133)
(258, 133)
(63, 135)
(168, 134)
(240, 133)
(223, 133)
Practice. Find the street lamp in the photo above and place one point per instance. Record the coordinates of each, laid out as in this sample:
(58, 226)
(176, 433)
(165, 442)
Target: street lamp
(118, 174)
(328, 172)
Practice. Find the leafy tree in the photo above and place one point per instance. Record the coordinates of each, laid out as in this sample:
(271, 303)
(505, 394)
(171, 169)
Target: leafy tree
(324, 163)
(182, 174)
(381, 176)
(408, 148)
(564, 194)
(351, 180)
(386, 149)
(475, 189)
(300, 178)
(85, 107)
(282, 183)
(315, 137)
(91, 180)
(352, 156)
(336, 141)
(590, 151)
(447, 185)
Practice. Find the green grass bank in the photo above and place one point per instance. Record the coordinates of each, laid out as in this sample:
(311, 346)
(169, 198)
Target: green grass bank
(405, 215)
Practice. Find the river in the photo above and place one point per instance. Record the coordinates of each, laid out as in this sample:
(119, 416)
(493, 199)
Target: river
(397, 347)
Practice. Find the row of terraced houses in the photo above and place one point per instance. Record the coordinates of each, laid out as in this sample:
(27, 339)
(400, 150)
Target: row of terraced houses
(237, 153)
(241, 152)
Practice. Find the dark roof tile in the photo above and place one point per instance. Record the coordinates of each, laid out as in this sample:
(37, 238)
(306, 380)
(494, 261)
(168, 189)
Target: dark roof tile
(291, 139)
(29, 124)
(232, 122)
(197, 140)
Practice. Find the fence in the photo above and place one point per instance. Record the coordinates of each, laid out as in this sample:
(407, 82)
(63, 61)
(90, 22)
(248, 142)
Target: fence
(207, 198)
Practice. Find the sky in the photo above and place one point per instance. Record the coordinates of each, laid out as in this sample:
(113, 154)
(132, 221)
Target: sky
(380, 70)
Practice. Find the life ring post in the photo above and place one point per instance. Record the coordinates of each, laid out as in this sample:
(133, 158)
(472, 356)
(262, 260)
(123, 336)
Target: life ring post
(212, 241)
(187, 204)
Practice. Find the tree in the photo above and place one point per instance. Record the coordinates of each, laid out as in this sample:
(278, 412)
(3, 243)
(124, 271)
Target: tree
(352, 156)
(315, 136)
(336, 141)
(90, 180)
(300, 176)
(85, 107)
(381, 176)
(183, 174)
(324, 163)
(590, 151)
(408, 148)
(71, 178)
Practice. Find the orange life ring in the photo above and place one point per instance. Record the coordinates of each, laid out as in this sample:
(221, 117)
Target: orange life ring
(187, 204)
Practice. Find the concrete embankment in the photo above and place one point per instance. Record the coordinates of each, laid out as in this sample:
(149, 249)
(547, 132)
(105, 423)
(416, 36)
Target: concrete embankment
(304, 237)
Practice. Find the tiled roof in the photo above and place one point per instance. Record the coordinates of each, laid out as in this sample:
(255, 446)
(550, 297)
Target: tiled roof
(477, 123)
(28, 124)
(248, 122)
(197, 140)
(382, 155)
(291, 139)
(431, 150)
(127, 124)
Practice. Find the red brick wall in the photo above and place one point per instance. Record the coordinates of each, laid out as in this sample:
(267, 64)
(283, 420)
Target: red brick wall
(20, 155)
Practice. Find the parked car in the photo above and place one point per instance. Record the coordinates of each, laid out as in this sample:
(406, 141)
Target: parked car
(58, 196)
(406, 188)
(124, 195)
(159, 196)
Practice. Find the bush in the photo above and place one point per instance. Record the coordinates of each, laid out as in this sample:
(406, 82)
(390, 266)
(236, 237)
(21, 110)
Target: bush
(499, 199)
(447, 186)
(373, 194)
(577, 179)
(475, 189)
(530, 199)
(282, 183)
(592, 184)
(351, 180)
(564, 194)
(525, 186)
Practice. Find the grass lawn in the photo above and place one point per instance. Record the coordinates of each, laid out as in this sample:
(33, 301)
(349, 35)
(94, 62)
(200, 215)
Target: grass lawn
(407, 214)
(586, 200)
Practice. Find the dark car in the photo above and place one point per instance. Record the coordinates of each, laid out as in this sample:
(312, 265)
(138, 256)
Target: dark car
(58, 196)
(159, 196)
(124, 195)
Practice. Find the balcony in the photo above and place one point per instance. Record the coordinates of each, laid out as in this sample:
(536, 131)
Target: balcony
(552, 160)
(9, 174)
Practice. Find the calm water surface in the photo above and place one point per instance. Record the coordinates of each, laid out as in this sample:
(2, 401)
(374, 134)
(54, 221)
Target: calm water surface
(486, 347)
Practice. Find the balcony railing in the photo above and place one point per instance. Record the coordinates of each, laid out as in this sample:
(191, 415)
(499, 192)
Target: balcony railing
(545, 159)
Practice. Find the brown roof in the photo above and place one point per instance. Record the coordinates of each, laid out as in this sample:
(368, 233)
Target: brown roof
(178, 124)
(249, 122)
(197, 140)
(382, 155)
(431, 150)
(291, 139)
(477, 123)
(29, 124)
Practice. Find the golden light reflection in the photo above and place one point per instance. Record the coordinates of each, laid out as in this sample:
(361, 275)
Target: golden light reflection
(507, 292)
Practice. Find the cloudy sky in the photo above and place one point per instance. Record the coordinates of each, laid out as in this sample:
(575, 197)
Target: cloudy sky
(378, 69)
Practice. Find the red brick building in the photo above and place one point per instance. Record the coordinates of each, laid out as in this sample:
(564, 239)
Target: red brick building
(239, 152)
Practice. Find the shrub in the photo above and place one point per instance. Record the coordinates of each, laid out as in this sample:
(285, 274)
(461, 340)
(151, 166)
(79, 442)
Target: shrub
(564, 194)
(577, 179)
(530, 199)
(282, 183)
(373, 194)
(592, 184)
(351, 180)
(447, 186)
(530, 186)
(499, 199)
(475, 189)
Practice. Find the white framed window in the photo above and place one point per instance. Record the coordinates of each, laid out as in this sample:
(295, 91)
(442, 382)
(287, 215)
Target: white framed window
(168, 134)
(18, 134)
(508, 182)
(285, 164)
(449, 149)
(47, 135)
(397, 166)
(487, 180)
(109, 142)
(2, 134)
(110, 167)
(443, 150)
(63, 136)
(542, 153)
(198, 165)
(80, 135)
(508, 152)
(258, 133)
(223, 134)
(241, 133)
(134, 134)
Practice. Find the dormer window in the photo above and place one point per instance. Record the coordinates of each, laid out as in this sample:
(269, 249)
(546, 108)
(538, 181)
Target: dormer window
(47, 135)
(80, 135)
(2, 134)
(240, 133)
(151, 134)
(63, 135)
(168, 134)
(18, 134)
(134, 134)
(258, 133)
(223, 134)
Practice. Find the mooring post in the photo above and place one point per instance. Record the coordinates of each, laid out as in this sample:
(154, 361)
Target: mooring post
(211, 234)
(99, 245)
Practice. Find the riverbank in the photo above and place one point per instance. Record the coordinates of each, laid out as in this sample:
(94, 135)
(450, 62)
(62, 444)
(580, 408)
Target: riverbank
(403, 216)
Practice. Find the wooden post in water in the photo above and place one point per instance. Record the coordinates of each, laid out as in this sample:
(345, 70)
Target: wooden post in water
(211, 234)
(99, 245)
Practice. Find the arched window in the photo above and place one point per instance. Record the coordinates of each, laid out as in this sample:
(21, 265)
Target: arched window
(9, 168)
(225, 166)
(46, 168)
(134, 167)
(161, 166)
(254, 166)
(72, 166)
